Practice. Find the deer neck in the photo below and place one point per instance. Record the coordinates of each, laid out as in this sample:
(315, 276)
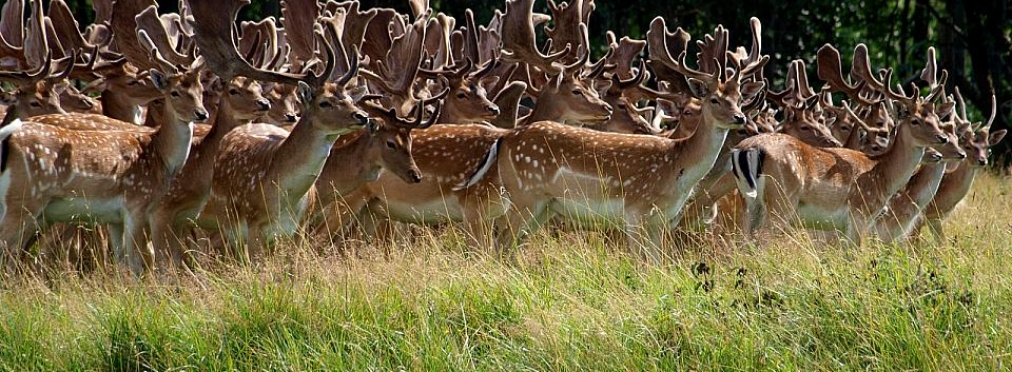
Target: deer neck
(449, 114)
(171, 143)
(853, 141)
(700, 150)
(223, 122)
(544, 109)
(298, 161)
(119, 107)
(892, 170)
(349, 165)
(956, 184)
(924, 183)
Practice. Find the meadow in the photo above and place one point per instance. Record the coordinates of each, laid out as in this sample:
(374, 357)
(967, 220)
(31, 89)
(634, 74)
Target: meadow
(573, 301)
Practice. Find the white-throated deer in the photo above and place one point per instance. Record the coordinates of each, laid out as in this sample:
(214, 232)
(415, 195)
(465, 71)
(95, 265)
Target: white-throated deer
(262, 173)
(51, 174)
(639, 182)
(836, 189)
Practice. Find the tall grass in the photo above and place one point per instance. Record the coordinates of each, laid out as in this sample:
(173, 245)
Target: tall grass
(573, 302)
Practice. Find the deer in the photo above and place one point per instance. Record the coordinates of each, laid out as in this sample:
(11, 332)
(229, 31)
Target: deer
(52, 174)
(241, 102)
(832, 188)
(262, 173)
(384, 145)
(639, 182)
(466, 188)
(956, 183)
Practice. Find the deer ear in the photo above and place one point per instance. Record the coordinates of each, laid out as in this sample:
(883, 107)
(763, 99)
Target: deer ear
(698, 88)
(945, 109)
(996, 137)
(488, 80)
(267, 87)
(160, 80)
(602, 85)
(60, 87)
(358, 92)
(306, 93)
(96, 86)
(7, 98)
(749, 90)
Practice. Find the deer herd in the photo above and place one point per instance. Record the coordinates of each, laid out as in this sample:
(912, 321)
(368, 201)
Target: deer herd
(246, 134)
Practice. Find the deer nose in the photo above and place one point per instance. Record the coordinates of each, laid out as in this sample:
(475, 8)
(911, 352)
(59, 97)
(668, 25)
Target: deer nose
(415, 177)
(494, 110)
(362, 118)
(982, 162)
(200, 115)
(291, 118)
(942, 139)
(264, 104)
(88, 104)
(739, 118)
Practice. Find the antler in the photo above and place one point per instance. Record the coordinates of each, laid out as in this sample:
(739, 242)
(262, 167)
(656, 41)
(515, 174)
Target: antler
(214, 19)
(660, 44)
(519, 41)
(830, 70)
(624, 53)
(26, 78)
(567, 18)
(930, 75)
(299, 18)
(390, 115)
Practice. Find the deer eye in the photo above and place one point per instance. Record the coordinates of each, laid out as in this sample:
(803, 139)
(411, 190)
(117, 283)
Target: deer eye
(133, 82)
(714, 100)
(577, 92)
(391, 144)
(175, 94)
(915, 121)
(233, 91)
(326, 104)
(35, 104)
(461, 95)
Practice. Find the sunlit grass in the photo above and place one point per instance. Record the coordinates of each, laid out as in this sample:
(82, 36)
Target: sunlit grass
(574, 301)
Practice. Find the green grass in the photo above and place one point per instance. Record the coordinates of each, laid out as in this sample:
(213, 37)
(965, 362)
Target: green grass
(574, 302)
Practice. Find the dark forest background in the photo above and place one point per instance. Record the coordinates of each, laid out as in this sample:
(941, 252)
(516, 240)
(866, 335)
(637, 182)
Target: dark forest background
(972, 37)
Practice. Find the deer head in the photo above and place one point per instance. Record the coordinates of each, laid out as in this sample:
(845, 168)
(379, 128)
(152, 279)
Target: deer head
(721, 95)
(975, 138)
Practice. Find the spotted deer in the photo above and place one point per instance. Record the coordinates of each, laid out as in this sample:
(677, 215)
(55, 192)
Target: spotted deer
(956, 183)
(242, 100)
(833, 188)
(51, 174)
(262, 173)
(637, 182)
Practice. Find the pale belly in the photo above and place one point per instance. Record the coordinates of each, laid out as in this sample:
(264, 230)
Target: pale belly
(429, 212)
(591, 213)
(818, 218)
(104, 210)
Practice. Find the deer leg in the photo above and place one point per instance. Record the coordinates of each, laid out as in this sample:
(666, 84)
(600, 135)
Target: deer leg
(478, 228)
(134, 247)
(935, 225)
(520, 222)
(19, 226)
(644, 235)
(166, 241)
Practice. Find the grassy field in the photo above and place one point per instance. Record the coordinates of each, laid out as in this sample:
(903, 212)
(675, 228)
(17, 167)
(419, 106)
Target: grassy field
(574, 302)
